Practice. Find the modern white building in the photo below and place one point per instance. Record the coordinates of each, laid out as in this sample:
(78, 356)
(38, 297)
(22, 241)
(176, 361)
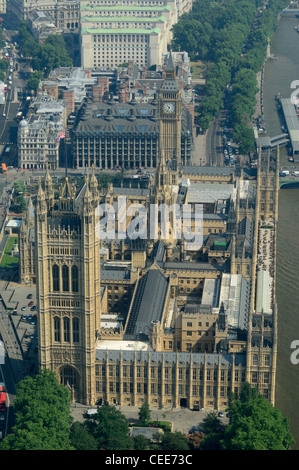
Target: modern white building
(116, 32)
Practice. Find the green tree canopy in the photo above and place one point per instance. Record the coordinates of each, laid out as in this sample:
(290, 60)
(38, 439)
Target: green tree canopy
(42, 415)
(144, 412)
(255, 424)
(80, 437)
(173, 441)
(19, 187)
(44, 57)
(110, 429)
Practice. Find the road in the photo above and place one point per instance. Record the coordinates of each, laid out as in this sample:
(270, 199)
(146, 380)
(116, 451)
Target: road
(14, 100)
(214, 148)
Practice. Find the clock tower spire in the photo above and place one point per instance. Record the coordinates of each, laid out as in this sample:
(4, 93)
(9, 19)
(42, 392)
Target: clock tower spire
(170, 113)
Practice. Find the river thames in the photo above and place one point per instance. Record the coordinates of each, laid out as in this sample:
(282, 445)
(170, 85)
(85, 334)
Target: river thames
(279, 74)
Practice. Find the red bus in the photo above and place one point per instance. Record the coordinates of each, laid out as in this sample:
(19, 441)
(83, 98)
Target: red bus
(4, 168)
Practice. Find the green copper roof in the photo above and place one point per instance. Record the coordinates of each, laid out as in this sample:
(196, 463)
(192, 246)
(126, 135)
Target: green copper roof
(120, 31)
(127, 19)
(124, 8)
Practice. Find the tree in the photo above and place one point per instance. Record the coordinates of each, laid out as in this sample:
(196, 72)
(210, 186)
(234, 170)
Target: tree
(80, 437)
(42, 415)
(144, 413)
(196, 439)
(140, 443)
(174, 441)
(211, 423)
(34, 80)
(20, 204)
(255, 424)
(19, 187)
(110, 429)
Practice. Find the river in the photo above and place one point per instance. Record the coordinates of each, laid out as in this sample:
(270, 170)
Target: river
(279, 73)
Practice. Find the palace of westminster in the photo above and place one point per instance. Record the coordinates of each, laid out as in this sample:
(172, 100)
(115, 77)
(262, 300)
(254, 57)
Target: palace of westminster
(126, 320)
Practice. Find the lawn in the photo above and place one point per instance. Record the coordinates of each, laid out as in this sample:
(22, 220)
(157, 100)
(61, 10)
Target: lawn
(8, 261)
(197, 69)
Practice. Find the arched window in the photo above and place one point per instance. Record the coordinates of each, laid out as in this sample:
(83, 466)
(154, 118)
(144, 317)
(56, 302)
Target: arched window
(65, 278)
(68, 376)
(55, 275)
(66, 329)
(76, 330)
(75, 279)
(57, 329)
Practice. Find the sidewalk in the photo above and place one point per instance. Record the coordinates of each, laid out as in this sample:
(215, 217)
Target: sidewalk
(198, 155)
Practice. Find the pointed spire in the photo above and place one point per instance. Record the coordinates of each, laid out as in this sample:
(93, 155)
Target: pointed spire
(40, 192)
(93, 178)
(170, 68)
(48, 177)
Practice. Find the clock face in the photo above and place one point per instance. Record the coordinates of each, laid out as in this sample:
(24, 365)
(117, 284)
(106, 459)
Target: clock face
(168, 108)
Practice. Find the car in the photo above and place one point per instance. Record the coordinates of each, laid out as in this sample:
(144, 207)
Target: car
(23, 308)
(220, 414)
(29, 296)
(29, 318)
(4, 114)
(33, 308)
(24, 317)
(30, 303)
(194, 429)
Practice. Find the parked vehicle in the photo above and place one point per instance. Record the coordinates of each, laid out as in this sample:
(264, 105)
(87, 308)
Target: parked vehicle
(2, 397)
(91, 412)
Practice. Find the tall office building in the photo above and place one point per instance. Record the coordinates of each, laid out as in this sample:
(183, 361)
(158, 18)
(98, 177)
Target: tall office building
(113, 33)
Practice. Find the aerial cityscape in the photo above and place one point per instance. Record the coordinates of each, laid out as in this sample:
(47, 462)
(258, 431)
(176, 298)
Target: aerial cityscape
(148, 256)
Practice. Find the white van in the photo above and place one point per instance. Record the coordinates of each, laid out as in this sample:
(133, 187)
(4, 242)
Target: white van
(91, 412)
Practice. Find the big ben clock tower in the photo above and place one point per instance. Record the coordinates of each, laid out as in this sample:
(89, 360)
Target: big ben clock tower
(170, 114)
